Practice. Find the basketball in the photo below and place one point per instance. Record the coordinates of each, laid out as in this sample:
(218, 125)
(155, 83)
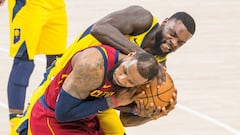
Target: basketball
(159, 97)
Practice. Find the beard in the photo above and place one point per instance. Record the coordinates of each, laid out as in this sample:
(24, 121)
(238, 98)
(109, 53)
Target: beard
(156, 49)
(115, 86)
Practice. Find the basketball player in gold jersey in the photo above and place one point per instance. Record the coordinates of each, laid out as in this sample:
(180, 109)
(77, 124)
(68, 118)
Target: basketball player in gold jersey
(132, 29)
(135, 28)
(34, 26)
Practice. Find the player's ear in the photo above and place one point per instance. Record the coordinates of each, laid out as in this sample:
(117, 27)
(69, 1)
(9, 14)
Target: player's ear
(164, 22)
(132, 54)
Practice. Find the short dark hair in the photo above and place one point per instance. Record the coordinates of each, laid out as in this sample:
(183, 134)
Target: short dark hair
(187, 20)
(147, 65)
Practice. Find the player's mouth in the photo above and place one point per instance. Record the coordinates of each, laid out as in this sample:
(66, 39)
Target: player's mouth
(166, 47)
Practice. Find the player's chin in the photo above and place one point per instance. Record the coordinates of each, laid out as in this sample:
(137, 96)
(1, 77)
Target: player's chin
(166, 50)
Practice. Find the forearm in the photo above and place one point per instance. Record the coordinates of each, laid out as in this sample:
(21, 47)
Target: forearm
(130, 120)
(110, 35)
(69, 108)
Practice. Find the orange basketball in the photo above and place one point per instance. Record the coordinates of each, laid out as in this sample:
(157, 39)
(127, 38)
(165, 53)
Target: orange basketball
(160, 97)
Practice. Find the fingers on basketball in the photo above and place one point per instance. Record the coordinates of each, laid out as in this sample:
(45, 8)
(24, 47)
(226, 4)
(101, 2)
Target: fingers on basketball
(159, 97)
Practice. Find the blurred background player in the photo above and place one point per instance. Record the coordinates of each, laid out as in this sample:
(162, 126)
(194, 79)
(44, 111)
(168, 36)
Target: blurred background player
(36, 27)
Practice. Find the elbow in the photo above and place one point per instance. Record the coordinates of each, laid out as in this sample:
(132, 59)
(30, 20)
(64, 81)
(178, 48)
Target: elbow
(61, 116)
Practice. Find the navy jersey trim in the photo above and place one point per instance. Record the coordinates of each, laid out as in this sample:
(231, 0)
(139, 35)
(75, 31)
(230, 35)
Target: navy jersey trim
(86, 32)
(146, 36)
(18, 5)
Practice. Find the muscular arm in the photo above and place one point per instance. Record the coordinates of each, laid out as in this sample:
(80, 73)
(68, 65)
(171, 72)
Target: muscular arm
(86, 75)
(111, 29)
(128, 119)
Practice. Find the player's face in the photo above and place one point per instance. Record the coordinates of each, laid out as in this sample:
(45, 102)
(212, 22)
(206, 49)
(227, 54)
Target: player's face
(171, 37)
(127, 75)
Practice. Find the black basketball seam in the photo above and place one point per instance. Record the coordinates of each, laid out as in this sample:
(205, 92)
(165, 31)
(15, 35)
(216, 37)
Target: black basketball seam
(146, 97)
(152, 96)
(158, 94)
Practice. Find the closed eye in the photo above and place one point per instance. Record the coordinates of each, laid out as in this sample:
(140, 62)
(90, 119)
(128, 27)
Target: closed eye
(131, 82)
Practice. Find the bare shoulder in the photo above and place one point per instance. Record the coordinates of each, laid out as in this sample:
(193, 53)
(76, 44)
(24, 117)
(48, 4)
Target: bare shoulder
(90, 60)
(131, 20)
(87, 73)
(138, 12)
(137, 9)
(134, 12)
(140, 17)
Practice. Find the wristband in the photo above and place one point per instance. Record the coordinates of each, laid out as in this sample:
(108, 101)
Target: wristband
(132, 110)
(114, 101)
